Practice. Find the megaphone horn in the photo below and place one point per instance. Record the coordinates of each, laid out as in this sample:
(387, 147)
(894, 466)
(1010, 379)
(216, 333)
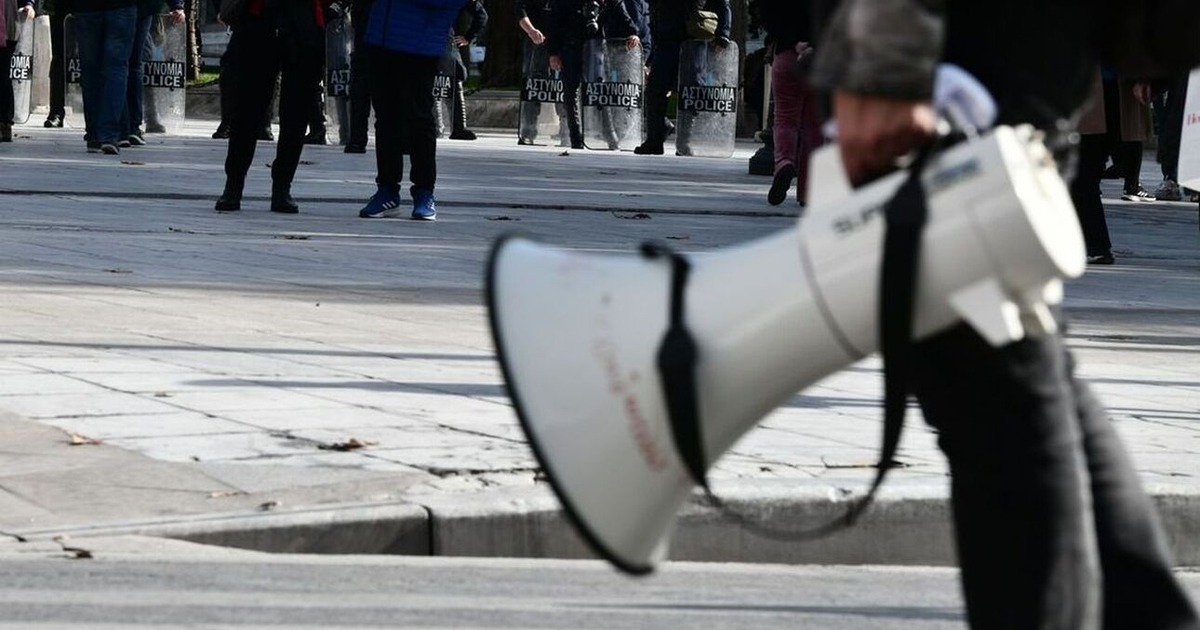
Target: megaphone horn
(631, 375)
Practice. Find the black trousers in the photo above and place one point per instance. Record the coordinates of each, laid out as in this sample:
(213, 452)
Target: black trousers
(360, 93)
(1085, 193)
(57, 95)
(402, 92)
(1126, 154)
(572, 75)
(6, 87)
(259, 55)
(664, 76)
(227, 83)
(1054, 531)
(1172, 128)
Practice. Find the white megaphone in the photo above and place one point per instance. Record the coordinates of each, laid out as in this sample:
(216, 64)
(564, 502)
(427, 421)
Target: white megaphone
(579, 335)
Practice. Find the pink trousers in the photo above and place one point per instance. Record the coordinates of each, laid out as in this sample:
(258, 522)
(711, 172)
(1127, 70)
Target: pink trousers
(797, 121)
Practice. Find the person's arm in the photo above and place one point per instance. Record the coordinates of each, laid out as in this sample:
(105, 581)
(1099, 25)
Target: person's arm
(175, 10)
(879, 59)
(25, 7)
(479, 20)
(724, 19)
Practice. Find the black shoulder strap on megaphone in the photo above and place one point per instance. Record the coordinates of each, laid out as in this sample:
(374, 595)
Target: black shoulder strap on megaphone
(677, 358)
(905, 215)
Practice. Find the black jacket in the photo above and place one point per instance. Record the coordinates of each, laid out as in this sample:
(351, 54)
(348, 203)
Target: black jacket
(471, 20)
(567, 23)
(787, 22)
(538, 12)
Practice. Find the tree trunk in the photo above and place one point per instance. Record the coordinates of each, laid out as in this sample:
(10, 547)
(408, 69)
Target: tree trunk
(741, 21)
(192, 7)
(502, 66)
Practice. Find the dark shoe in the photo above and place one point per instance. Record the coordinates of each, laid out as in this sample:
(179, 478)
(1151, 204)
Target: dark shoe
(669, 127)
(463, 134)
(231, 199)
(6, 132)
(1138, 194)
(155, 128)
(578, 145)
(424, 207)
(93, 147)
(384, 204)
(781, 185)
(53, 121)
(282, 202)
(316, 136)
(265, 134)
(1113, 172)
(136, 140)
(108, 148)
(1101, 259)
(355, 147)
(124, 144)
(649, 148)
(222, 132)
(525, 142)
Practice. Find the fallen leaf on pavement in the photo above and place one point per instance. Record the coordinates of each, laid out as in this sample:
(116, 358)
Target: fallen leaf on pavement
(636, 215)
(269, 505)
(118, 270)
(565, 154)
(133, 163)
(678, 238)
(352, 444)
(502, 218)
(74, 439)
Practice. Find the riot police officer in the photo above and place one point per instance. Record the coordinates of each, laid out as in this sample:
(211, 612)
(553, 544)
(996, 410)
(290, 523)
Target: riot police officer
(574, 22)
(672, 22)
(532, 16)
(468, 26)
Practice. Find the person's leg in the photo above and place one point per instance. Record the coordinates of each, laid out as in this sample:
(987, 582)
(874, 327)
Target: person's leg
(1139, 589)
(1085, 193)
(227, 85)
(1007, 423)
(811, 138)
(572, 71)
(6, 86)
(1168, 143)
(786, 88)
(89, 35)
(664, 70)
(417, 111)
(57, 97)
(301, 78)
(119, 26)
(252, 57)
(131, 118)
(360, 95)
(1131, 162)
(389, 154)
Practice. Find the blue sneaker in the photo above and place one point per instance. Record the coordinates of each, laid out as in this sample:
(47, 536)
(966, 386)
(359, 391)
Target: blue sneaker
(424, 208)
(384, 204)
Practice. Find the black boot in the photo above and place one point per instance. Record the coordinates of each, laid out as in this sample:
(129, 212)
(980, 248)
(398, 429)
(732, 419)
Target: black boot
(460, 131)
(281, 200)
(231, 199)
(6, 132)
(222, 132)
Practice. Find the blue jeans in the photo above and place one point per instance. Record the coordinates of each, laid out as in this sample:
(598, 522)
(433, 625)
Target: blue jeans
(105, 41)
(131, 120)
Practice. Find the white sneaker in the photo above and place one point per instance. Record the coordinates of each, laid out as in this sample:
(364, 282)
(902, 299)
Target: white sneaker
(1139, 195)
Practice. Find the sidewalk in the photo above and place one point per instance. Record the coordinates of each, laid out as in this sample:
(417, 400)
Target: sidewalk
(229, 364)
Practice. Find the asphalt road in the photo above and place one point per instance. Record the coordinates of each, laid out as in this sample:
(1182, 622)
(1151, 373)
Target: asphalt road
(299, 592)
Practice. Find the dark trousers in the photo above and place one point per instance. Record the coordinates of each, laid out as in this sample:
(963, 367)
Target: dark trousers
(259, 55)
(572, 74)
(228, 86)
(1172, 128)
(1085, 193)
(664, 75)
(6, 86)
(105, 39)
(57, 94)
(360, 93)
(402, 92)
(135, 92)
(1126, 154)
(1054, 531)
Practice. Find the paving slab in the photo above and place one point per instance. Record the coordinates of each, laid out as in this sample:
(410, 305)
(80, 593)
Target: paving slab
(325, 362)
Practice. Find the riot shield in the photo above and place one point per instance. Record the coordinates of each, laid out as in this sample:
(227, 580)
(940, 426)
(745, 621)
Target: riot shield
(708, 90)
(339, 42)
(164, 77)
(73, 88)
(611, 95)
(443, 92)
(543, 113)
(20, 71)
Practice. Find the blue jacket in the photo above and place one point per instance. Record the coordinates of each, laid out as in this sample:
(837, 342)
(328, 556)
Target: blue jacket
(418, 27)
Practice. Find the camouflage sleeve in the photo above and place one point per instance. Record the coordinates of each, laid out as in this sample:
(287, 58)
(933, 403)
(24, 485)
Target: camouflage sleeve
(881, 47)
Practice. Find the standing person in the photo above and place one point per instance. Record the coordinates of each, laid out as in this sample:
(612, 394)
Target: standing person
(360, 92)
(468, 26)
(272, 38)
(131, 120)
(670, 21)
(9, 16)
(1085, 188)
(1054, 531)
(532, 16)
(1168, 142)
(797, 128)
(57, 11)
(1127, 107)
(574, 22)
(405, 39)
(104, 30)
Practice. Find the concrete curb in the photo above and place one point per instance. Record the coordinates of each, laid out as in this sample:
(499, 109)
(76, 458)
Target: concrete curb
(908, 525)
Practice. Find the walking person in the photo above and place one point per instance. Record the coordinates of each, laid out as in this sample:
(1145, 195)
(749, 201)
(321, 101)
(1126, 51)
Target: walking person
(533, 18)
(134, 113)
(1085, 188)
(9, 16)
(272, 38)
(405, 39)
(1168, 141)
(1127, 109)
(57, 10)
(797, 128)
(1053, 529)
(472, 19)
(104, 30)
